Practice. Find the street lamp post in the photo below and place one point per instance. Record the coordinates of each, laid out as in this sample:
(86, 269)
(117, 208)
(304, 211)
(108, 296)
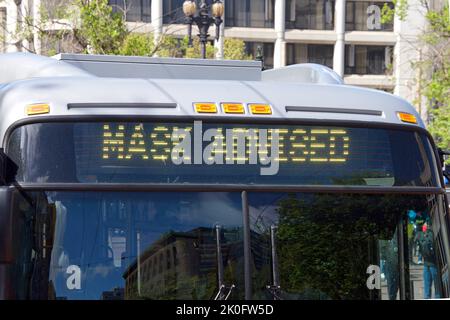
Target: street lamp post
(203, 20)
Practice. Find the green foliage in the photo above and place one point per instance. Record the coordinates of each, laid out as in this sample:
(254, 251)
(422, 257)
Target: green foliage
(437, 90)
(136, 44)
(144, 45)
(104, 32)
(195, 50)
(437, 86)
(100, 31)
(433, 68)
(171, 47)
(324, 248)
(439, 23)
(234, 49)
(400, 9)
(387, 14)
(91, 26)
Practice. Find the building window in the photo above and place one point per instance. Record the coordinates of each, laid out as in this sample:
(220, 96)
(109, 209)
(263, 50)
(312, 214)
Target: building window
(310, 14)
(268, 48)
(321, 54)
(368, 59)
(249, 13)
(366, 16)
(2, 29)
(173, 12)
(310, 53)
(133, 10)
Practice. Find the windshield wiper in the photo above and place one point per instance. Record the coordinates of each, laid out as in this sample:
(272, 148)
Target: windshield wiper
(274, 288)
(222, 294)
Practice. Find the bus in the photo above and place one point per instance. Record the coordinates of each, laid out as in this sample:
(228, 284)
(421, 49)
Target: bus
(159, 178)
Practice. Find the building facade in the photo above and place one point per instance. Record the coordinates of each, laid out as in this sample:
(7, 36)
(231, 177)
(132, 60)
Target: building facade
(345, 35)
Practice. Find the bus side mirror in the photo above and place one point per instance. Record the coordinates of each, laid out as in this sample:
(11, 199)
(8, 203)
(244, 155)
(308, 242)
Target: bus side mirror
(8, 169)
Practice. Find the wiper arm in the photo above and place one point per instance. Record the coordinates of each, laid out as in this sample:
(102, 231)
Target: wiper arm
(219, 257)
(221, 294)
(275, 287)
(275, 292)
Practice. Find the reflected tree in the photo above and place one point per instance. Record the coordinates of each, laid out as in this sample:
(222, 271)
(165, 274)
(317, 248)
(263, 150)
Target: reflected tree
(325, 241)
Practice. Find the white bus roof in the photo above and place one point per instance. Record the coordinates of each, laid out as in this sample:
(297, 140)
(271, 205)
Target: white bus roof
(84, 85)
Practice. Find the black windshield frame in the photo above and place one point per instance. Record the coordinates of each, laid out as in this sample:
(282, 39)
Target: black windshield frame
(435, 165)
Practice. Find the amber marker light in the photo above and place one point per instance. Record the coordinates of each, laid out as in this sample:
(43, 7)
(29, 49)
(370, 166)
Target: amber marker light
(41, 108)
(407, 117)
(205, 107)
(236, 108)
(260, 108)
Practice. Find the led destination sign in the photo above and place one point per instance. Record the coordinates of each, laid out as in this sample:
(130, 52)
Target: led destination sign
(214, 153)
(222, 144)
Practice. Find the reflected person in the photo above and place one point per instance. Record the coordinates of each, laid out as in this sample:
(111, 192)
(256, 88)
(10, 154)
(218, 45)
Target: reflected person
(430, 275)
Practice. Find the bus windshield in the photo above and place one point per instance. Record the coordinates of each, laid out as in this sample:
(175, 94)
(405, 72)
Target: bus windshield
(211, 153)
(169, 245)
(88, 241)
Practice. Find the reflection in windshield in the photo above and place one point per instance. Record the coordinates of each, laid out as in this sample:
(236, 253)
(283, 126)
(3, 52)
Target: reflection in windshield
(137, 246)
(167, 245)
(326, 244)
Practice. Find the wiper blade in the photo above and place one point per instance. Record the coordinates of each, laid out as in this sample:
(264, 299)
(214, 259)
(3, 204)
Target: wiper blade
(221, 295)
(274, 288)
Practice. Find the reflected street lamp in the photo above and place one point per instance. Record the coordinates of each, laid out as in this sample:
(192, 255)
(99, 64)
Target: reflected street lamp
(203, 19)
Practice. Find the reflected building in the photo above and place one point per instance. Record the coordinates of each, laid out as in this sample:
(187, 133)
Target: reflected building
(182, 265)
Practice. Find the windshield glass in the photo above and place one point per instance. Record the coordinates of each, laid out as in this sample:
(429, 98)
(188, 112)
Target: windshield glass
(132, 152)
(167, 245)
(344, 246)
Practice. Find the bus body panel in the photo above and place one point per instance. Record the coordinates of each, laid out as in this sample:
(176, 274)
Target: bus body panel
(128, 97)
